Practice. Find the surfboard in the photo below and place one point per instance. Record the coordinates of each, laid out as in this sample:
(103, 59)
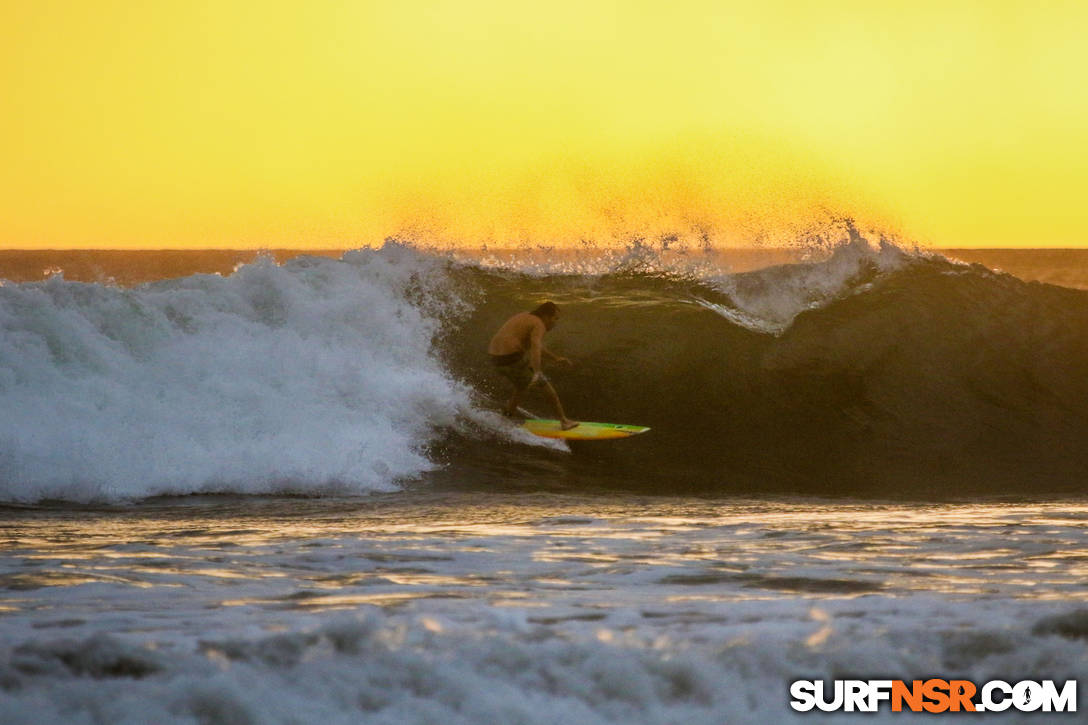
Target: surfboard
(584, 432)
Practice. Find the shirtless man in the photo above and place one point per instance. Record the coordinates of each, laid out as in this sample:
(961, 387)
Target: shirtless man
(524, 333)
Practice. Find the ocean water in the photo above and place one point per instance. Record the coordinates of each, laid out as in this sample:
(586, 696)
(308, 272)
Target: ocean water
(281, 493)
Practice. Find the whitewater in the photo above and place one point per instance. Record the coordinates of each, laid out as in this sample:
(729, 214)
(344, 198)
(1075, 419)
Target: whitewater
(526, 608)
(283, 494)
(312, 377)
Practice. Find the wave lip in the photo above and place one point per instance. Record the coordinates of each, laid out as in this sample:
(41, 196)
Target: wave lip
(769, 299)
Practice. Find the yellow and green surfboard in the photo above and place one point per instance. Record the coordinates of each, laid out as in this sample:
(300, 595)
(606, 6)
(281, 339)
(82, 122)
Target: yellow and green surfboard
(584, 431)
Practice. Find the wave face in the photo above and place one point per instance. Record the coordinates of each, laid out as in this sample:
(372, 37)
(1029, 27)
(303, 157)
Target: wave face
(877, 371)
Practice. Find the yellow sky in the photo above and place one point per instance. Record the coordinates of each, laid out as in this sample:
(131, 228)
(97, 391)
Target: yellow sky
(334, 124)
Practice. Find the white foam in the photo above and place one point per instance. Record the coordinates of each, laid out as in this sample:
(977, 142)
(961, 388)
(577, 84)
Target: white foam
(768, 300)
(313, 376)
(489, 608)
(381, 666)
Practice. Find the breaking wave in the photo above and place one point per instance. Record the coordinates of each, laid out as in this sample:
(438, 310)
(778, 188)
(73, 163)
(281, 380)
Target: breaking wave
(874, 370)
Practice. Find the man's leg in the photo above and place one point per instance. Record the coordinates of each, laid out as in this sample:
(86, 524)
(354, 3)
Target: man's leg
(515, 400)
(564, 422)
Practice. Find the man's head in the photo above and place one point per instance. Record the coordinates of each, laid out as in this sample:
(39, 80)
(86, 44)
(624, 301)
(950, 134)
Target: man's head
(548, 313)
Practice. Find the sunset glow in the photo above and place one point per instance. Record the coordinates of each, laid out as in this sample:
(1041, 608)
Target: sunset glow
(336, 124)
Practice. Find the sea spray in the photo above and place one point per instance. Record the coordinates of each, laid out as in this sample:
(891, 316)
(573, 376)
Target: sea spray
(310, 377)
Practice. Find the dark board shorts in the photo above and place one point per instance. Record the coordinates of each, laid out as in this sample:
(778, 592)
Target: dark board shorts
(515, 368)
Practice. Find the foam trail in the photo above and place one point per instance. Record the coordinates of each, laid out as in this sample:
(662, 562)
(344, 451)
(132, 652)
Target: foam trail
(315, 376)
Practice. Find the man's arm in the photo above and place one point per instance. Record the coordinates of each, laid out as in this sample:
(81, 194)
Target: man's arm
(536, 347)
(553, 357)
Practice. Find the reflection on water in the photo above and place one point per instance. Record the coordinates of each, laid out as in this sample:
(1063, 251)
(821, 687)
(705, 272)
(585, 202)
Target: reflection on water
(576, 556)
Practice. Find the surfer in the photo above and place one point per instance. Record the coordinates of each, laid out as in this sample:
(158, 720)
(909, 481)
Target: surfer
(516, 351)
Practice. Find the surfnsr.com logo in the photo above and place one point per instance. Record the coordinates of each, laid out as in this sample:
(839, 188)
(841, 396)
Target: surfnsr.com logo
(933, 695)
